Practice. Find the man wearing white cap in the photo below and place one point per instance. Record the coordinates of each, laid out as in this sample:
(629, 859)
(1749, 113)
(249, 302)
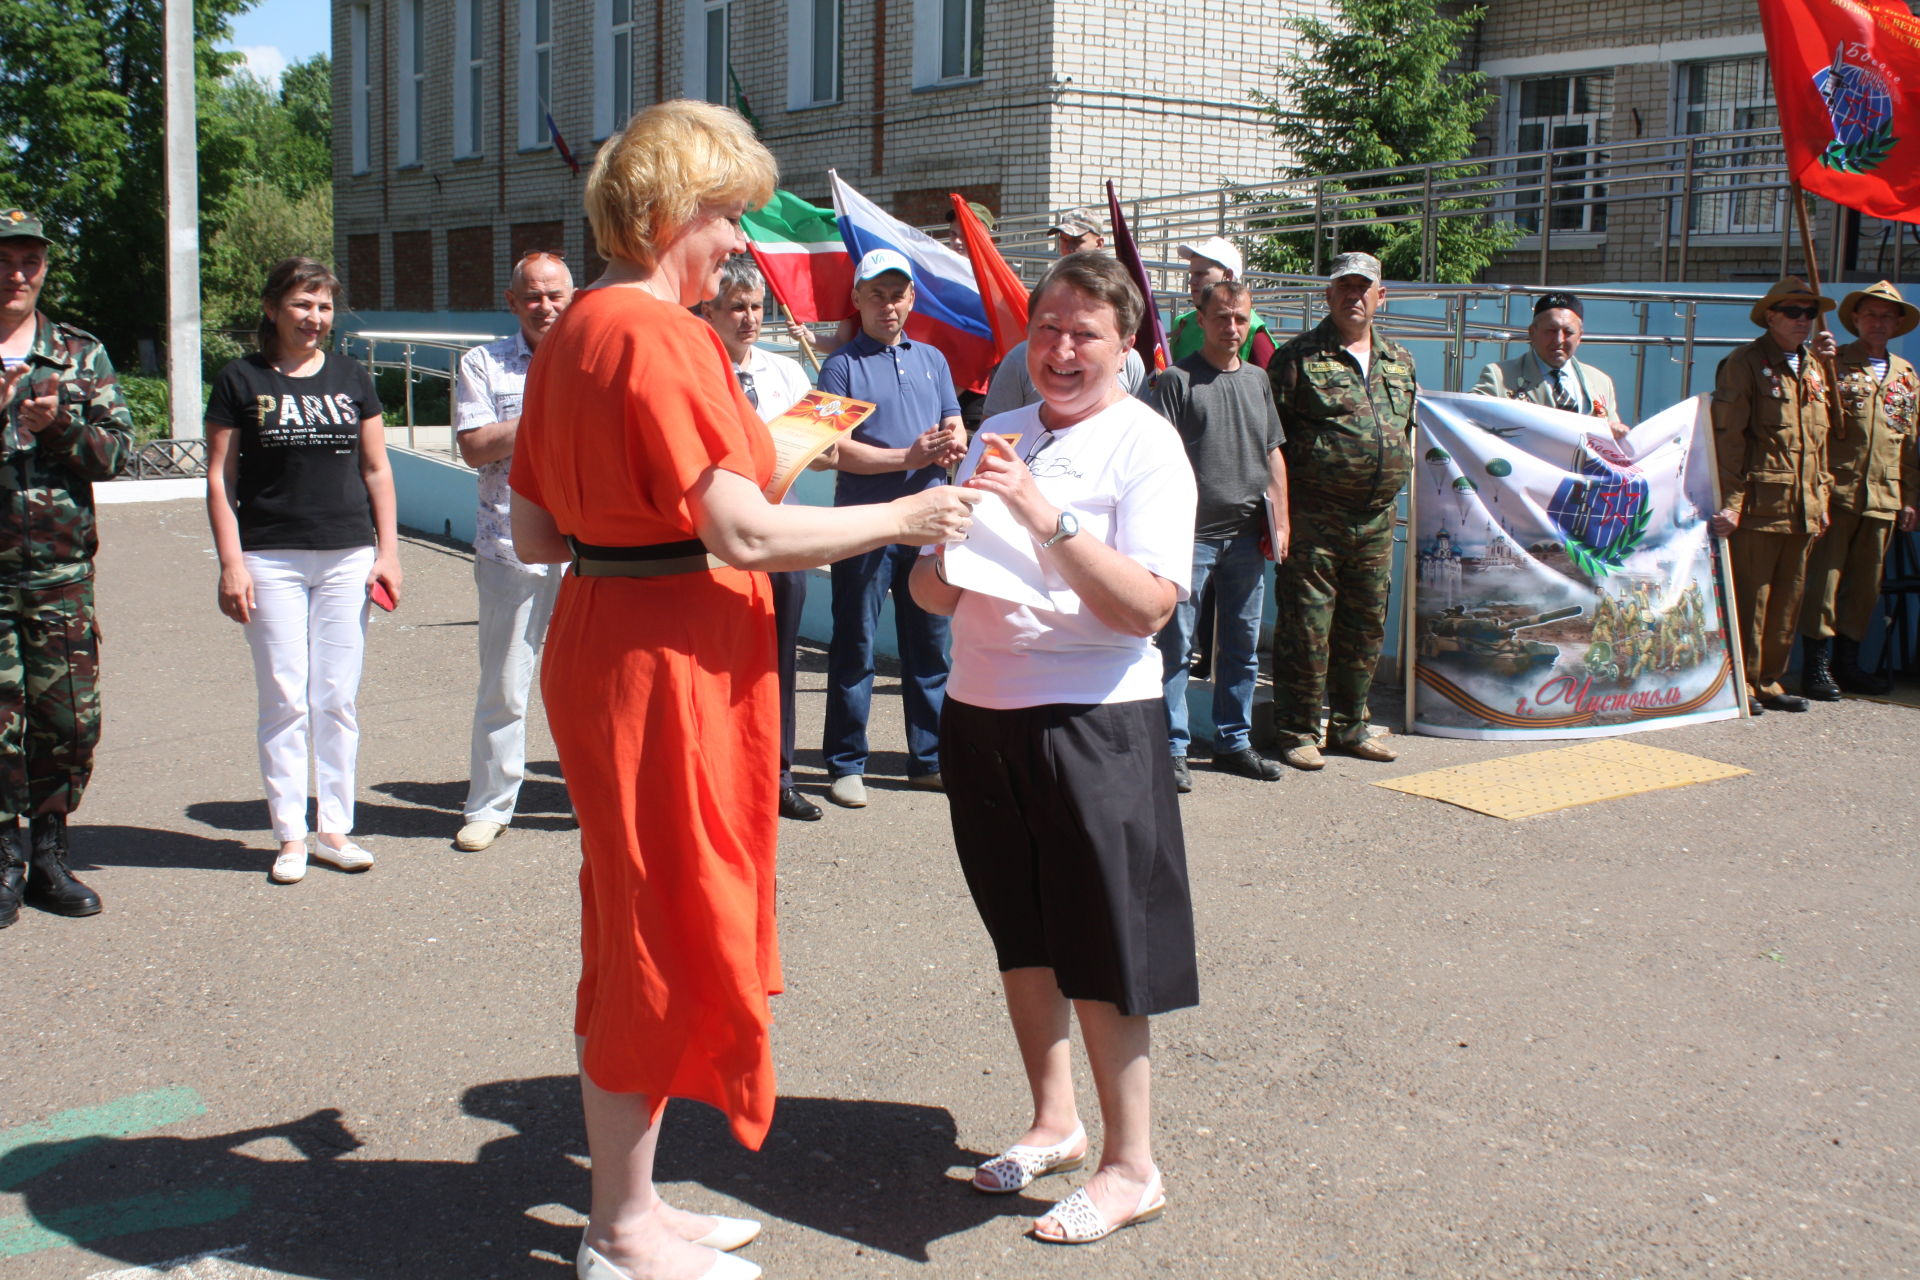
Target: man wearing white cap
(1210, 261)
(904, 447)
(1078, 231)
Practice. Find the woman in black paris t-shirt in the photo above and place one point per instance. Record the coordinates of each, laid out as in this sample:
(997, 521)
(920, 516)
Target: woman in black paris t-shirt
(301, 501)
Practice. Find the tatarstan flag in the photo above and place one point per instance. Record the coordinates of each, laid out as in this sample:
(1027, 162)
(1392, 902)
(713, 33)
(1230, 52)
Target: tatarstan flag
(800, 252)
(1846, 75)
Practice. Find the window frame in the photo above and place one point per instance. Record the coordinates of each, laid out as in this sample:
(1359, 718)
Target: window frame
(803, 62)
(1524, 207)
(697, 46)
(1695, 209)
(931, 46)
(612, 72)
(359, 90)
(533, 107)
(410, 84)
(469, 80)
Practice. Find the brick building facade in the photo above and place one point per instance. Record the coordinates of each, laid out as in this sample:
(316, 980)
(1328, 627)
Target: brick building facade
(445, 169)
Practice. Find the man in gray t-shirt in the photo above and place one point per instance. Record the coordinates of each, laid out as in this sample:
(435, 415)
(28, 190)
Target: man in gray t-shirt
(1223, 408)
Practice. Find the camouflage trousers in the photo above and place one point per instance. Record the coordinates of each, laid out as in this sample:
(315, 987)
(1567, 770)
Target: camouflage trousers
(1331, 597)
(49, 697)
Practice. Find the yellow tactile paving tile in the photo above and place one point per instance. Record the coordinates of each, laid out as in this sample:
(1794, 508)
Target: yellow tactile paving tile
(1543, 781)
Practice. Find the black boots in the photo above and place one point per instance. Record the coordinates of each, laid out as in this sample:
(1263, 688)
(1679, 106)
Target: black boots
(50, 886)
(13, 871)
(1816, 669)
(1846, 669)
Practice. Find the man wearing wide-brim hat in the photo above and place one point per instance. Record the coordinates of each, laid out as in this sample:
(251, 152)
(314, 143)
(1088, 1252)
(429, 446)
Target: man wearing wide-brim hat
(1770, 429)
(1876, 486)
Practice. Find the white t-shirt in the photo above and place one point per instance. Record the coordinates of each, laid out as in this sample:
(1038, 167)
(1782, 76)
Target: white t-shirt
(1124, 474)
(778, 383)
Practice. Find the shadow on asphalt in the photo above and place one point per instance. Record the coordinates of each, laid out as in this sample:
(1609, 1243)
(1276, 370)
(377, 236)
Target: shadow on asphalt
(110, 846)
(536, 797)
(426, 819)
(868, 1172)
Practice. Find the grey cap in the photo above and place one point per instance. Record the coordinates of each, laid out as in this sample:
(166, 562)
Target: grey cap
(1080, 222)
(1355, 264)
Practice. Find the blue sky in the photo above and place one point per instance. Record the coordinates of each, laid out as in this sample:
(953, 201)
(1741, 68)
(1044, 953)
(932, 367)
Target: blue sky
(277, 32)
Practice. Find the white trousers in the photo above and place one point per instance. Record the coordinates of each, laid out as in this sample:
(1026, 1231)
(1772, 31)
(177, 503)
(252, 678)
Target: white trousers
(309, 635)
(514, 608)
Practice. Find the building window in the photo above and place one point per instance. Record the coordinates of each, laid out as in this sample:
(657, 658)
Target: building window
(536, 72)
(360, 92)
(412, 64)
(468, 46)
(1729, 96)
(613, 66)
(1565, 115)
(949, 41)
(813, 66)
(708, 35)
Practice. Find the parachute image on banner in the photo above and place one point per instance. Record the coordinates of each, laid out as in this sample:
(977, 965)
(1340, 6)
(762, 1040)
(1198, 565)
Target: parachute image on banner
(1564, 584)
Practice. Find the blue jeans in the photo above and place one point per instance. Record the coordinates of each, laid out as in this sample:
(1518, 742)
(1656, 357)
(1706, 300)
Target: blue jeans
(860, 585)
(1239, 574)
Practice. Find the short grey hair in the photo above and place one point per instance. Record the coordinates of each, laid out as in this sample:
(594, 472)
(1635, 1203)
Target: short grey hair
(737, 275)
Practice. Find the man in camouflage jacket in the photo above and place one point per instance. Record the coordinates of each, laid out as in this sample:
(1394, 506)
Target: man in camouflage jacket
(1345, 396)
(65, 425)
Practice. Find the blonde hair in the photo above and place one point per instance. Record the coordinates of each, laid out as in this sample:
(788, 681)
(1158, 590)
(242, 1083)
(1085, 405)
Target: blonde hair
(668, 162)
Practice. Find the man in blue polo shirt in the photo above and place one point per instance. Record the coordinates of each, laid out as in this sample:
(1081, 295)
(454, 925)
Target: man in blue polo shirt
(905, 446)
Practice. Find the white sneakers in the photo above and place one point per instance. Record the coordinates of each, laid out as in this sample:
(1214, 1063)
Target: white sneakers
(477, 835)
(291, 867)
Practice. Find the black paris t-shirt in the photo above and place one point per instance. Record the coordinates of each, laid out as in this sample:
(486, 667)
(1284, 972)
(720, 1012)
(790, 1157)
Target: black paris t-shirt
(299, 444)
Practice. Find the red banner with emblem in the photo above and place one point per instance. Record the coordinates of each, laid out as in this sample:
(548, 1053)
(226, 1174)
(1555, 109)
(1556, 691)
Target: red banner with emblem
(1846, 74)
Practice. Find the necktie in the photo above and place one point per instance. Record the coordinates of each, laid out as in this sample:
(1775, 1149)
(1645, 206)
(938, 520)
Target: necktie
(746, 385)
(1563, 397)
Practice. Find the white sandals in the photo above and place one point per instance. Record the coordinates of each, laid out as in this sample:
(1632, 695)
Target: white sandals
(1015, 1168)
(1080, 1221)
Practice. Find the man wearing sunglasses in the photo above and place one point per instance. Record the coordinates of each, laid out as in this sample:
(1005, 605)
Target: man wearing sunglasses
(1770, 426)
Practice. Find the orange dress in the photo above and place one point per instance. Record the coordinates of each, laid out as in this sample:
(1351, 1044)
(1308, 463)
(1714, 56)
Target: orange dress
(663, 702)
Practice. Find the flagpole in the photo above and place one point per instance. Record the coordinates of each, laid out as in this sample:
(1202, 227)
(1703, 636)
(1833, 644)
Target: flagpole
(1836, 422)
(805, 341)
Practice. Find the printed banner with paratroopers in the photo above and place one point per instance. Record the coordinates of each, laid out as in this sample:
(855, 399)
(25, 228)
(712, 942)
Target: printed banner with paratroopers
(1564, 583)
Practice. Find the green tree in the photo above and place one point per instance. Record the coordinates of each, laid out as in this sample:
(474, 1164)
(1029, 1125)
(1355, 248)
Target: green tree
(82, 99)
(1377, 88)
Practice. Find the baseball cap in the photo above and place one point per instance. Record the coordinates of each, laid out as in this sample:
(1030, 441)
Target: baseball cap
(1079, 222)
(1560, 301)
(878, 262)
(1355, 264)
(981, 212)
(1217, 249)
(18, 224)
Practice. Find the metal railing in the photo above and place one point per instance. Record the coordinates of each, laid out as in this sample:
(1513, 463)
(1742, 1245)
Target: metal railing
(167, 460)
(418, 357)
(1684, 194)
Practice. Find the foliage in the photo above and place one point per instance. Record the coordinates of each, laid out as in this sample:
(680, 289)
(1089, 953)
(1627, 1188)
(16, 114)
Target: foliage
(1376, 88)
(83, 98)
(432, 398)
(147, 399)
(261, 225)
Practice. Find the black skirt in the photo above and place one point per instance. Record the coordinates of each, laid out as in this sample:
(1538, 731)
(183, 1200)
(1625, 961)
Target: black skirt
(1068, 829)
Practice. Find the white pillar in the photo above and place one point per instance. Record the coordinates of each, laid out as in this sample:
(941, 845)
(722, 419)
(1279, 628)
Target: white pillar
(183, 226)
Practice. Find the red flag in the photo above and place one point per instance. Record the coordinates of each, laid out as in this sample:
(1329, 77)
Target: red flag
(1151, 341)
(1846, 74)
(1001, 293)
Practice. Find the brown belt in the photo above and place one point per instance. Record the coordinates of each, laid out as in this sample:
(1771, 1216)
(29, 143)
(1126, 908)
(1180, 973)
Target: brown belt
(659, 560)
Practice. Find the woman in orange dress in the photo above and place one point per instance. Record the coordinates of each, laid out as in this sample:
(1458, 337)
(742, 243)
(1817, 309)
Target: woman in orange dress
(640, 460)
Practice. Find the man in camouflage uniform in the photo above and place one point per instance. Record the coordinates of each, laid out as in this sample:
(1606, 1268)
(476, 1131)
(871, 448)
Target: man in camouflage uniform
(65, 425)
(1345, 396)
(1876, 486)
(1770, 446)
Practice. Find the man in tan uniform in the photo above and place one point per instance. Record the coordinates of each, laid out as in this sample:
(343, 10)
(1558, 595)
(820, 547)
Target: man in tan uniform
(1876, 485)
(1770, 429)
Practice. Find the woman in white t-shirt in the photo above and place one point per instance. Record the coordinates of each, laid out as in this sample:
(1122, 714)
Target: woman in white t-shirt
(1053, 744)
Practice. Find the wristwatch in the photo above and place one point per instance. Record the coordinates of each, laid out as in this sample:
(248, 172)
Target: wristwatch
(1069, 525)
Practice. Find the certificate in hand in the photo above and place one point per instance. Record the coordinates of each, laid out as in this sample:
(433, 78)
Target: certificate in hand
(803, 433)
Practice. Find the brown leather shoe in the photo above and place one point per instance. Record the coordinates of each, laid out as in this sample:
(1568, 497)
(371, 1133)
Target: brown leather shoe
(1366, 749)
(1305, 756)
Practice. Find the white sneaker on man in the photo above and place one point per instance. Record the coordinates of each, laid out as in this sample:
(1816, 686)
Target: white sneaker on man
(477, 835)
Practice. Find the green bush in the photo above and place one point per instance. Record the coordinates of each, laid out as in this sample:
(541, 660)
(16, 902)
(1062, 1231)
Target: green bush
(432, 398)
(147, 399)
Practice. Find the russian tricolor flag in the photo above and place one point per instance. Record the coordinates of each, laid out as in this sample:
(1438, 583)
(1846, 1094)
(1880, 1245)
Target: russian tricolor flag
(947, 311)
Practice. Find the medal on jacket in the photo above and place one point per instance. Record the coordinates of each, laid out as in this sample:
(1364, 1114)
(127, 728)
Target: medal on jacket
(1599, 409)
(1774, 388)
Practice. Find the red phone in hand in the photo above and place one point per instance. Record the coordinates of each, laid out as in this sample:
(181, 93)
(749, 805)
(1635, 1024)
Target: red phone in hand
(378, 593)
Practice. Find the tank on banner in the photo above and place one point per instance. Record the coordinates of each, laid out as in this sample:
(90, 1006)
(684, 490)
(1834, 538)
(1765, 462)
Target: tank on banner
(1565, 584)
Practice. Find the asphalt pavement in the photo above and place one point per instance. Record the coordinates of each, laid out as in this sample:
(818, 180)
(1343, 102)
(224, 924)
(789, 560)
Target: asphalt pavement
(1672, 1035)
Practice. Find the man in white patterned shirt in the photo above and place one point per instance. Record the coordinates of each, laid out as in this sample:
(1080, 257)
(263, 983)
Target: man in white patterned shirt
(516, 599)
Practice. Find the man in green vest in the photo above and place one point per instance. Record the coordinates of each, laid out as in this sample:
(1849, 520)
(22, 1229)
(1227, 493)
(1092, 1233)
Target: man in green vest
(1208, 262)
